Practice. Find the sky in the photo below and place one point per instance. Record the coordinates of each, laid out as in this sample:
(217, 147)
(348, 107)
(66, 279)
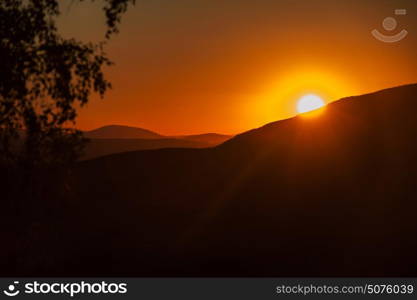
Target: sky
(227, 66)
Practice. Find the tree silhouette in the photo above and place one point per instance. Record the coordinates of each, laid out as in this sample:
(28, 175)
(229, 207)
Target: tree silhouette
(43, 79)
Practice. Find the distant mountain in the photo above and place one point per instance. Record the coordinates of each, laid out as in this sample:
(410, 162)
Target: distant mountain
(117, 139)
(101, 147)
(127, 132)
(121, 132)
(328, 196)
(208, 138)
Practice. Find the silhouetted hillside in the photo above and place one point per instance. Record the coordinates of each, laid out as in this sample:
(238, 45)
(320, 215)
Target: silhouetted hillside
(127, 132)
(101, 147)
(208, 138)
(121, 132)
(118, 139)
(333, 195)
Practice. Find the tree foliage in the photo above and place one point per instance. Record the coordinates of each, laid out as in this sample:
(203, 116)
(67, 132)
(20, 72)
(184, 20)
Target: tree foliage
(44, 77)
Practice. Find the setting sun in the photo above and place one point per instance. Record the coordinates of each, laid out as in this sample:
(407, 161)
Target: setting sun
(309, 103)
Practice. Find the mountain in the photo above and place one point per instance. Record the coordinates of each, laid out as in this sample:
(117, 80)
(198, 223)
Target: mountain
(333, 195)
(127, 132)
(101, 147)
(213, 139)
(121, 132)
(118, 139)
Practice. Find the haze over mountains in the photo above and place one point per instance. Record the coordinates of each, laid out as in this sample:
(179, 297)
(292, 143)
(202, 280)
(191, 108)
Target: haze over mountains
(333, 195)
(116, 139)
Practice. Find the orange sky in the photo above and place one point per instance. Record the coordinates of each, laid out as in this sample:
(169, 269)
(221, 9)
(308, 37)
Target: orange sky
(193, 66)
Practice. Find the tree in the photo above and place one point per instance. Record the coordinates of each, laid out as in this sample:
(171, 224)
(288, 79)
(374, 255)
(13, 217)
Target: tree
(43, 78)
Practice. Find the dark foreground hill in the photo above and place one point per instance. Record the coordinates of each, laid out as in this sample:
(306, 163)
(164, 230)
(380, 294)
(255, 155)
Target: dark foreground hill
(334, 195)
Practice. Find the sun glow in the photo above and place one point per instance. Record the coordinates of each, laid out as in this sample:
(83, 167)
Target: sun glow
(280, 95)
(309, 103)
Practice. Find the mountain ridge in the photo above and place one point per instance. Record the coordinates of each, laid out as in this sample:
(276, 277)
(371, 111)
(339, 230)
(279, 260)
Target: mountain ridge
(328, 196)
(111, 139)
(121, 131)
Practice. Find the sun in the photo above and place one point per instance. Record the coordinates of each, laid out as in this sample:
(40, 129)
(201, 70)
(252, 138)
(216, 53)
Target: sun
(309, 103)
